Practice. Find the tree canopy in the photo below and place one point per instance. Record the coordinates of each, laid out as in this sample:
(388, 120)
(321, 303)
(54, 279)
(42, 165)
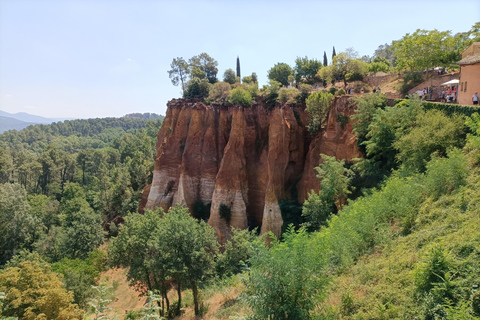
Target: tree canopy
(280, 72)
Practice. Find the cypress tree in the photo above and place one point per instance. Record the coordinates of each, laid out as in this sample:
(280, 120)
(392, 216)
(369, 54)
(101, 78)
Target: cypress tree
(238, 67)
(333, 53)
(325, 61)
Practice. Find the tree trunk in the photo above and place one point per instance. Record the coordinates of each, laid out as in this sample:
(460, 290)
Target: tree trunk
(179, 292)
(195, 298)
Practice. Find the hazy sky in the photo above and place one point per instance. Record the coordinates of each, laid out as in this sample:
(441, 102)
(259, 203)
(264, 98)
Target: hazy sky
(99, 58)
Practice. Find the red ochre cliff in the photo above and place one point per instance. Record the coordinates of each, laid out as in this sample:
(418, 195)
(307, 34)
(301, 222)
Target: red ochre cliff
(244, 158)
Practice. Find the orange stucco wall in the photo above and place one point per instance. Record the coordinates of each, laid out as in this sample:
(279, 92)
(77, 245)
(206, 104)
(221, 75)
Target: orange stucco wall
(471, 75)
(472, 49)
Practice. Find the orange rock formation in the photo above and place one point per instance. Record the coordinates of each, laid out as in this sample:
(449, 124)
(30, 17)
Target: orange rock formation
(244, 158)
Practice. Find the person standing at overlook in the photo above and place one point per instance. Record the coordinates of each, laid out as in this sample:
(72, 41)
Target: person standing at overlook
(475, 98)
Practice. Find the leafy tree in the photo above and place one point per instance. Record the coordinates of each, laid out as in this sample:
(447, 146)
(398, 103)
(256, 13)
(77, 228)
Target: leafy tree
(206, 63)
(98, 305)
(82, 227)
(318, 105)
(379, 65)
(6, 165)
(229, 76)
(286, 281)
(388, 124)
(367, 106)
(197, 88)
(238, 68)
(18, 227)
(80, 275)
(236, 252)
(190, 248)
(333, 53)
(133, 248)
(433, 132)
(240, 96)
(179, 72)
(198, 73)
(306, 70)
(325, 61)
(254, 77)
(325, 74)
(34, 292)
(335, 181)
(426, 49)
(347, 68)
(280, 72)
(384, 51)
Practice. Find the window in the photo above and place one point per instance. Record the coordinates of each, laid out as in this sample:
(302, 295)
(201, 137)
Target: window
(465, 88)
(461, 87)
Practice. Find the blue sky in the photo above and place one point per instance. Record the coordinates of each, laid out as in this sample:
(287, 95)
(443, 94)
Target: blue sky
(99, 58)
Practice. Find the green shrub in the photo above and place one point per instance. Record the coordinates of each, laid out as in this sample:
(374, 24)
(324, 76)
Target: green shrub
(240, 96)
(219, 93)
(333, 90)
(288, 95)
(340, 92)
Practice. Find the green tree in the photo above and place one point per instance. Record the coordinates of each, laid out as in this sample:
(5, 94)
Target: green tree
(135, 249)
(306, 70)
(179, 72)
(82, 227)
(333, 53)
(19, 228)
(325, 61)
(286, 281)
(197, 88)
(334, 184)
(207, 64)
(34, 292)
(426, 49)
(318, 105)
(385, 51)
(191, 247)
(280, 72)
(238, 68)
(433, 132)
(229, 76)
(347, 68)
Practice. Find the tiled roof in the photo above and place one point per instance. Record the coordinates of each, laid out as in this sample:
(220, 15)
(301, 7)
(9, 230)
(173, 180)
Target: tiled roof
(471, 59)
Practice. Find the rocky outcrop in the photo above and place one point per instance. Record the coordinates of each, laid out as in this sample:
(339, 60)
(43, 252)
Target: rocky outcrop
(240, 162)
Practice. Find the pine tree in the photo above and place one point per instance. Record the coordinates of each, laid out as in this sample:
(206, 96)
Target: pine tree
(238, 67)
(333, 53)
(325, 61)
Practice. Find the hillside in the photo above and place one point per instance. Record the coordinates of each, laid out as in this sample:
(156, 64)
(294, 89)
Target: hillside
(7, 123)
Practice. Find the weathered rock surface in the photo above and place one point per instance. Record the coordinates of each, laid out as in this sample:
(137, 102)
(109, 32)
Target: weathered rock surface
(246, 159)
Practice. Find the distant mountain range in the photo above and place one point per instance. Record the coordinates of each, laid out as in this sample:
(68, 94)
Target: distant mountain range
(21, 120)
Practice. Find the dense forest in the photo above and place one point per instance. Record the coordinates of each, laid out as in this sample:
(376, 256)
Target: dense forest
(393, 235)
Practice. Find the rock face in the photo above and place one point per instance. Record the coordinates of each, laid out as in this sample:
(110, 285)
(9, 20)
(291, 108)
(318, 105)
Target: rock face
(239, 162)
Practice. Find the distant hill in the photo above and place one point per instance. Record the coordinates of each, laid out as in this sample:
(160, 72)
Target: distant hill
(8, 123)
(33, 119)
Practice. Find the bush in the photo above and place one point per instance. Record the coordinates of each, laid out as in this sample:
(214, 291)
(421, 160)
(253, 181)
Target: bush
(201, 211)
(219, 93)
(288, 95)
(340, 92)
(240, 96)
(333, 90)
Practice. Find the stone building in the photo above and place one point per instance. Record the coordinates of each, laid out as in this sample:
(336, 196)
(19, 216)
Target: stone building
(469, 74)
